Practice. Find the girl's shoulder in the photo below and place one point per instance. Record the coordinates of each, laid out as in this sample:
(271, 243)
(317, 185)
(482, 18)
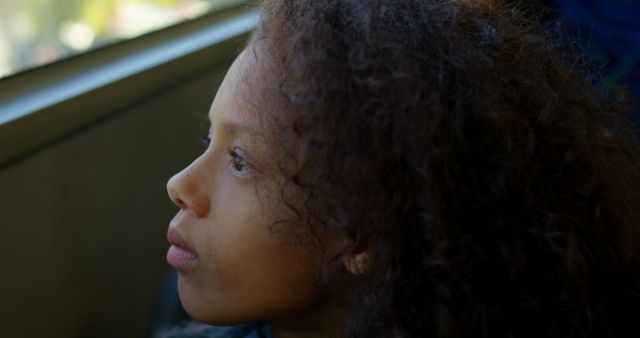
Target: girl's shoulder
(198, 330)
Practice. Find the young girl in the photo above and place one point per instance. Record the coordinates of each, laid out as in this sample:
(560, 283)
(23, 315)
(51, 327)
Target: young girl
(409, 169)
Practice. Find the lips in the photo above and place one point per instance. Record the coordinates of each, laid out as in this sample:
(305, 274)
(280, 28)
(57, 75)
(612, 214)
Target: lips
(180, 256)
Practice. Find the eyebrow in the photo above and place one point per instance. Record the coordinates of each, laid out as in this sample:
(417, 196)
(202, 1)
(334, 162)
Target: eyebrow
(235, 128)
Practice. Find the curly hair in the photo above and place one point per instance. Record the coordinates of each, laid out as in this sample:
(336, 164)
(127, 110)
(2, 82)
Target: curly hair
(470, 153)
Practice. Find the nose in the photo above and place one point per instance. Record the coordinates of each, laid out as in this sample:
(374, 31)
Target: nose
(187, 190)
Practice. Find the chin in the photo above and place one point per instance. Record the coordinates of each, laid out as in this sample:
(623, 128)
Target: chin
(210, 313)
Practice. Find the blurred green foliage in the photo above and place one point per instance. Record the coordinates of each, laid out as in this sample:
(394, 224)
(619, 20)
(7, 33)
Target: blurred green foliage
(36, 32)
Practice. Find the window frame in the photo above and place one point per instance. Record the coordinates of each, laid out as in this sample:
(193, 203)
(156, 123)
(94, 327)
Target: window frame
(42, 105)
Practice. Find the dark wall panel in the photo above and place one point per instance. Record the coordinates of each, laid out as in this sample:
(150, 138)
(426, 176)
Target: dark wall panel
(83, 220)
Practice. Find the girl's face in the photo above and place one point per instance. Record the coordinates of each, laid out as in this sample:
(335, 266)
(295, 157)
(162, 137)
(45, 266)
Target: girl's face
(233, 268)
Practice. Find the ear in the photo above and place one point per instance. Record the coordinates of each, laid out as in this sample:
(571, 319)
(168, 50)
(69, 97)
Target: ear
(357, 264)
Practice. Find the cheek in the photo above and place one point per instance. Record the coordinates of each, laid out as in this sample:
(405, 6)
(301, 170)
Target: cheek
(246, 271)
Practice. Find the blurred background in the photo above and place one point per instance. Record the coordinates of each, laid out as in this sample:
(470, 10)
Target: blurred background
(38, 32)
(101, 102)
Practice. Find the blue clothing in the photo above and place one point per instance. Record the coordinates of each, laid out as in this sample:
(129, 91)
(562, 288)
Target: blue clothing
(197, 330)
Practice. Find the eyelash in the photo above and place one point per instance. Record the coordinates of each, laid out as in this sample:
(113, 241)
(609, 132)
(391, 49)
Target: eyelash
(239, 165)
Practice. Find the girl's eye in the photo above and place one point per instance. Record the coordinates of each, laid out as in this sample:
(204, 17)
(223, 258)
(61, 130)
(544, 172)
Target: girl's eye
(239, 165)
(206, 139)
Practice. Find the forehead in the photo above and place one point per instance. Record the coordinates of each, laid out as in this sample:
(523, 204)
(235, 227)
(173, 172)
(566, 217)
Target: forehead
(236, 102)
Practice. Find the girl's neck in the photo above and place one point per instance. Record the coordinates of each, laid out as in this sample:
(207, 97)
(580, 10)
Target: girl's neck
(323, 321)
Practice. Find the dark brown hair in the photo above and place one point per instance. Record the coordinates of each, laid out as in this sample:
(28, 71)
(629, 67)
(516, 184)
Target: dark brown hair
(472, 156)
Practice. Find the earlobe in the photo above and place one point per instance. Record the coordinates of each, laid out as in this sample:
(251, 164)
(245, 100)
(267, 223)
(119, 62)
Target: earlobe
(357, 264)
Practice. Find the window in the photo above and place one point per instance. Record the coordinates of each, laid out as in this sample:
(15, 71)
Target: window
(44, 104)
(37, 32)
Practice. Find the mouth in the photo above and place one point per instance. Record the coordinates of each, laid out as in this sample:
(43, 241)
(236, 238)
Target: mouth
(179, 255)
